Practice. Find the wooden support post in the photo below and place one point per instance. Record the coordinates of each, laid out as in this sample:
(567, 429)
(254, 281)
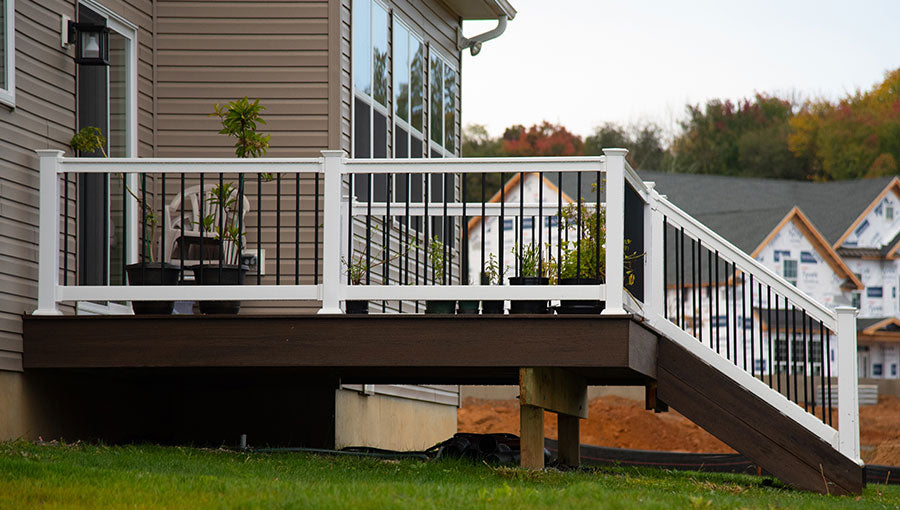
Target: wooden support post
(569, 440)
(555, 390)
(531, 438)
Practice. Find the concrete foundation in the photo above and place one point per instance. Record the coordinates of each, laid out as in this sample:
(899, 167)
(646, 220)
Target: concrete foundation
(391, 423)
(512, 392)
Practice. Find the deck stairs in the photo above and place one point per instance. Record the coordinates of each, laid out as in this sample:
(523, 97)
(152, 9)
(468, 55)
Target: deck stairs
(718, 391)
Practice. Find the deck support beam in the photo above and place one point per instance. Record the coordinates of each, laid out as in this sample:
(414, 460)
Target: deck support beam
(557, 390)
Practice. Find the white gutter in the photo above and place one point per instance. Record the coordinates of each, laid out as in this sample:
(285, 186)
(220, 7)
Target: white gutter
(474, 43)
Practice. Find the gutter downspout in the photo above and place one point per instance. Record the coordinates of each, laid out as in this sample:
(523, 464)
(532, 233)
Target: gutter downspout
(474, 44)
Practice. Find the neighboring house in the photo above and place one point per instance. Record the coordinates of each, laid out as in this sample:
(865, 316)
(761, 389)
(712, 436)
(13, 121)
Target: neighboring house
(836, 241)
(372, 78)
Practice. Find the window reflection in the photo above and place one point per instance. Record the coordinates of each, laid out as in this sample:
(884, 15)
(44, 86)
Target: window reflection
(380, 53)
(436, 99)
(362, 46)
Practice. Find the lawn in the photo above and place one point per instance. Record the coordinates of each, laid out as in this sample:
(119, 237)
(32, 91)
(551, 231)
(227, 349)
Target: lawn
(89, 476)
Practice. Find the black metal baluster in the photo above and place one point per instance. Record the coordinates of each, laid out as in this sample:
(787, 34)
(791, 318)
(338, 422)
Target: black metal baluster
(521, 221)
(794, 352)
(445, 228)
(665, 255)
(679, 254)
(297, 232)
(597, 221)
(744, 321)
(540, 217)
(181, 228)
(728, 316)
(369, 191)
(805, 365)
(124, 230)
(501, 225)
(259, 215)
(427, 221)
(578, 203)
(734, 324)
(277, 230)
(718, 313)
(386, 236)
(777, 334)
(464, 278)
(559, 227)
(709, 294)
(202, 201)
(827, 359)
(483, 226)
(771, 363)
(349, 262)
(66, 228)
(694, 288)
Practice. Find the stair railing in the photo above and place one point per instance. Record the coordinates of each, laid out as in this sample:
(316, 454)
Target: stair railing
(741, 317)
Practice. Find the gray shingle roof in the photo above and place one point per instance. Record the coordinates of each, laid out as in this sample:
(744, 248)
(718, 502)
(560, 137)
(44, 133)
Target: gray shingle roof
(745, 210)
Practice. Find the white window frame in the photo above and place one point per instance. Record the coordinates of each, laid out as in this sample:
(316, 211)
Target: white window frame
(397, 20)
(129, 31)
(8, 94)
(793, 280)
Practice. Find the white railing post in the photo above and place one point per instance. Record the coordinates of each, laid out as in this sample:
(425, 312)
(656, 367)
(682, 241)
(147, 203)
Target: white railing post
(848, 383)
(615, 230)
(48, 239)
(332, 164)
(654, 286)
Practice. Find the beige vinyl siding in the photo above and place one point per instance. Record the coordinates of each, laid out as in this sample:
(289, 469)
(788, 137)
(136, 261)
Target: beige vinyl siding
(44, 118)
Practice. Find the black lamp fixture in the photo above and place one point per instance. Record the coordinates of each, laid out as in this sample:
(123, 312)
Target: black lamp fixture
(91, 43)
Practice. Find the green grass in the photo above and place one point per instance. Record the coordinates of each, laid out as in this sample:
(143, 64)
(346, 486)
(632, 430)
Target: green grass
(92, 476)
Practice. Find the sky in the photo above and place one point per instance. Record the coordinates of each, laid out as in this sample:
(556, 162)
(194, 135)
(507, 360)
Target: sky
(582, 63)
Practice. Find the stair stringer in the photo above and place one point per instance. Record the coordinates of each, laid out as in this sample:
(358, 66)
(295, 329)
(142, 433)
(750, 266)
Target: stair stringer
(744, 413)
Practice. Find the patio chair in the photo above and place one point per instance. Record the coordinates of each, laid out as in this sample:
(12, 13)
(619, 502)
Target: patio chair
(190, 200)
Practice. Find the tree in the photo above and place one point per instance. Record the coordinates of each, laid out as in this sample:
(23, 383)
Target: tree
(644, 144)
(746, 139)
(477, 143)
(857, 137)
(544, 139)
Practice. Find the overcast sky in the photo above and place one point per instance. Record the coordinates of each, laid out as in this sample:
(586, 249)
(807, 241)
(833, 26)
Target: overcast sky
(585, 62)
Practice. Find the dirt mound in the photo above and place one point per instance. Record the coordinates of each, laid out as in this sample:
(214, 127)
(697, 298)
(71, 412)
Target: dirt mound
(613, 421)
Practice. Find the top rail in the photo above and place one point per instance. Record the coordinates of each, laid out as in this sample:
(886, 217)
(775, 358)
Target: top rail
(760, 272)
(476, 165)
(199, 165)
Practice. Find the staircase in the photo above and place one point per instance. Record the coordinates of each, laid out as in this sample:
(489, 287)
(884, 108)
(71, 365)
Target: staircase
(709, 353)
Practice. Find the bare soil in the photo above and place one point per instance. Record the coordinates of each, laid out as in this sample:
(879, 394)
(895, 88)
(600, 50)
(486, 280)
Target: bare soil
(623, 423)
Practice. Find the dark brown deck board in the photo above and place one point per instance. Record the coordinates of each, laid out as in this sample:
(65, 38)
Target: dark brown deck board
(750, 425)
(409, 348)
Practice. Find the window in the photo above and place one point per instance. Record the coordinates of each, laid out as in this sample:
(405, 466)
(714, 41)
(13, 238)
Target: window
(889, 212)
(442, 107)
(877, 369)
(790, 271)
(855, 300)
(8, 52)
(893, 370)
(508, 224)
(807, 257)
(370, 79)
(874, 292)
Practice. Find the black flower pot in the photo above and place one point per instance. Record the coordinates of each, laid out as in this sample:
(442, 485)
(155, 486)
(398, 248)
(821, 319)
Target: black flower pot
(467, 307)
(580, 306)
(152, 273)
(529, 306)
(213, 274)
(356, 307)
(491, 307)
(444, 307)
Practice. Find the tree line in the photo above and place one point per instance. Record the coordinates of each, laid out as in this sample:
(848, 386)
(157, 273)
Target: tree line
(857, 136)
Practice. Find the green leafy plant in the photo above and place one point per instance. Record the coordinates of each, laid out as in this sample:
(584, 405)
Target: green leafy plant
(492, 274)
(90, 139)
(358, 266)
(436, 254)
(239, 119)
(224, 200)
(585, 257)
(531, 261)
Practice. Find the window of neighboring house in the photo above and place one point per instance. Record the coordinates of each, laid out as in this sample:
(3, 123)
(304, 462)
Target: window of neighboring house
(855, 299)
(893, 370)
(889, 212)
(8, 52)
(877, 369)
(789, 268)
(874, 292)
(370, 92)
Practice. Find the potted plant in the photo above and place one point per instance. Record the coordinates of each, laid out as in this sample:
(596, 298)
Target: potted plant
(533, 270)
(583, 260)
(492, 275)
(146, 272)
(438, 264)
(357, 269)
(239, 119)
(467, 306)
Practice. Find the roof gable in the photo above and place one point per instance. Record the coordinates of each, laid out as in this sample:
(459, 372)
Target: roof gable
(872, 228)
(796, 218)
(512, 185)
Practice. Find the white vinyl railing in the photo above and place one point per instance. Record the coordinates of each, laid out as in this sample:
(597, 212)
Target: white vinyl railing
(336, 171)
(662, 214)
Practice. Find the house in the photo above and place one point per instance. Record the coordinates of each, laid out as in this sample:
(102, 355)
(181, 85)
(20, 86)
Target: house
(372, 78)
(362, 80)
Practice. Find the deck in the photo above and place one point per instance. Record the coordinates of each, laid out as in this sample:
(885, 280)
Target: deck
(605, 350)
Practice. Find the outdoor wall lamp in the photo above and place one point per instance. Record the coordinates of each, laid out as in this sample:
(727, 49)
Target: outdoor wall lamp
(91, 42)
